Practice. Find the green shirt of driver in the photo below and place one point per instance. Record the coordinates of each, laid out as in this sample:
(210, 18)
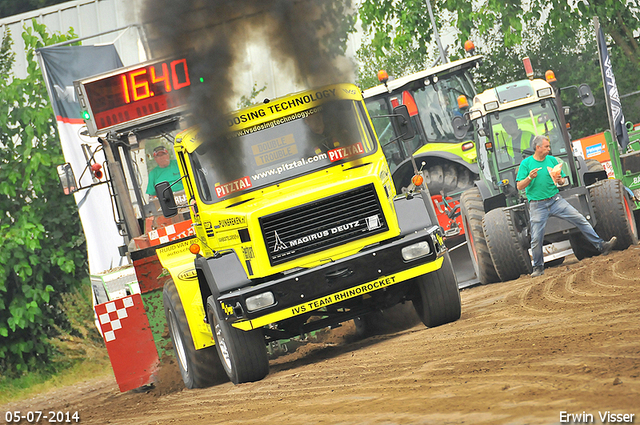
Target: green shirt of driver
(542, 186)
(167, 174)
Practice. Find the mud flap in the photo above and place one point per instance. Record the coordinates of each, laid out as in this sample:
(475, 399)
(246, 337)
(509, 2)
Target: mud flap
(461, 260)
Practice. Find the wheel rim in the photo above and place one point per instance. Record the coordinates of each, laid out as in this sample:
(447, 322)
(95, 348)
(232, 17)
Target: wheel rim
(630, 220)
(472, 245)
(222, 344)
(177, 342)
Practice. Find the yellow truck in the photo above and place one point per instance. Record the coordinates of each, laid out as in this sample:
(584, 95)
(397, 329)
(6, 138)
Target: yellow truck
(304, 232)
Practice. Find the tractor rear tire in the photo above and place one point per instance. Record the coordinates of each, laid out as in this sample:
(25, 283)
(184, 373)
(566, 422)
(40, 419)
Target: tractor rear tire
(613, 213)
(243, 353)
(472, 211)
(593, 165)
(438, 299)
(506, 245)
(448, 177)
(199, 368)
(582, 248)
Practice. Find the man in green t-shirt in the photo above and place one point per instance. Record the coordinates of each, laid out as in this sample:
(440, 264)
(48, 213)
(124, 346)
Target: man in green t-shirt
(166, 171)
(545, 201)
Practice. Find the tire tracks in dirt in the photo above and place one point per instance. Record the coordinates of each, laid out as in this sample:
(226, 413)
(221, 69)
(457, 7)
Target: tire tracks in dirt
(522, 352)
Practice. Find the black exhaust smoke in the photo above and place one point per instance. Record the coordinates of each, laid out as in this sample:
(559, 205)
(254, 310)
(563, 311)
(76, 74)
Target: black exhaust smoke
(310, 34)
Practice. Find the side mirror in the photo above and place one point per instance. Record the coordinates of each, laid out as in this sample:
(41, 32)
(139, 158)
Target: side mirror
(584, 91)
(403, 122)
(460, 127)
(166, 199)
(67, 179)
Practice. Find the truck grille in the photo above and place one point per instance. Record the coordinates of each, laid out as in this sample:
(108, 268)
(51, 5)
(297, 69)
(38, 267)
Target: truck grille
(323, 224)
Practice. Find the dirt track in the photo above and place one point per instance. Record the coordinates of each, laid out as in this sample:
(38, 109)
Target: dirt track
(523, 352)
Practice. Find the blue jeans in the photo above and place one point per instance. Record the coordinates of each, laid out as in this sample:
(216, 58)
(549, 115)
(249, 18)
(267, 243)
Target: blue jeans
(557, 206)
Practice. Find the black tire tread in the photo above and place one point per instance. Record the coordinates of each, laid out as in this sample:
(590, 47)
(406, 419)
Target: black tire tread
(204, 367)
(247, 349)
(510, 258)
(438, 301)
(472, 210)
(608, 199)
(448, 177)
(593, 165)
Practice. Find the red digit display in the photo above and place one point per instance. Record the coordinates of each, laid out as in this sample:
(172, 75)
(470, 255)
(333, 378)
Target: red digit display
(138, 92)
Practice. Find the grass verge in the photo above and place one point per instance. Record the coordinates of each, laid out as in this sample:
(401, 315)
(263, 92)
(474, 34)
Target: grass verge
(81, 354)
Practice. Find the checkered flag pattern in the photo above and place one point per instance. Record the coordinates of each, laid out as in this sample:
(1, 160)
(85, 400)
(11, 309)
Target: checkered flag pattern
(110, 321)
(170, 233)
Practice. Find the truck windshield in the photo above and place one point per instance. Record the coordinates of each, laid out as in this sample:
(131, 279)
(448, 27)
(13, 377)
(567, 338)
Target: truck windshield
(282, 149)
(512, 132)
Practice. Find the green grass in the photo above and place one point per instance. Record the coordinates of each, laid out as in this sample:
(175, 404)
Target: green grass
(81, 354)
(34, 383)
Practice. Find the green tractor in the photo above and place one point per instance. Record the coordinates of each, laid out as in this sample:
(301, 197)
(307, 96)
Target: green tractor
(449, 165)
(495, 214)
(626, 166)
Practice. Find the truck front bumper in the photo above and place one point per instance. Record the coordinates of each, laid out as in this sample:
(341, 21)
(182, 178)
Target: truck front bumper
(301, 292)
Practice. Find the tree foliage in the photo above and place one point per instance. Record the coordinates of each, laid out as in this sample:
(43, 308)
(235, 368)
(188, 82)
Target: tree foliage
(42, 251)
(555, 34)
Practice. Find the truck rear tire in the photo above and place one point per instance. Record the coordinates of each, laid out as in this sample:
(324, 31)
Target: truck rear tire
(243, 353)
(438, 299)
(472, 212)
(613, 213)
(506, 244)
(199, 368)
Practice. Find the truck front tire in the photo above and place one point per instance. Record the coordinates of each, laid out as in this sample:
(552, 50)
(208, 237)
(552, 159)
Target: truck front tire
(199, 368)
(438, 298)
(243, 353)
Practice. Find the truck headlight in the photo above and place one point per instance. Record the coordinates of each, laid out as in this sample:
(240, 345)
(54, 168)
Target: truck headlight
(259, 301)
(416, 250)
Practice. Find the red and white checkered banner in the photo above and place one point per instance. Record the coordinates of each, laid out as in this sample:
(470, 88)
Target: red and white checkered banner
(171, 233)
(127, 335)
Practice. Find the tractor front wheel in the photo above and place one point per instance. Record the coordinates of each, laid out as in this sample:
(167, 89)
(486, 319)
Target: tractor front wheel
(507, 243)
(472, 212)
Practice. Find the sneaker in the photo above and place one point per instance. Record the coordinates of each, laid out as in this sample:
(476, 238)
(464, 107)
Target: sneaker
(607, 247)
(537, 271)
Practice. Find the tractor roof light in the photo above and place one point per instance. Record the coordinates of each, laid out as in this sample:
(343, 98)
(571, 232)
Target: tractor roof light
(545, 92)
(463, 102)
(491, 106)
(194, 249)
(550, 76)
(528, 68)
(469, 47)
(474, 115)
(383, 76)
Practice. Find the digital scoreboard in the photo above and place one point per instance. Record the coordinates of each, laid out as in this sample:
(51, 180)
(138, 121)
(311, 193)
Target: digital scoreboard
(124, 97)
